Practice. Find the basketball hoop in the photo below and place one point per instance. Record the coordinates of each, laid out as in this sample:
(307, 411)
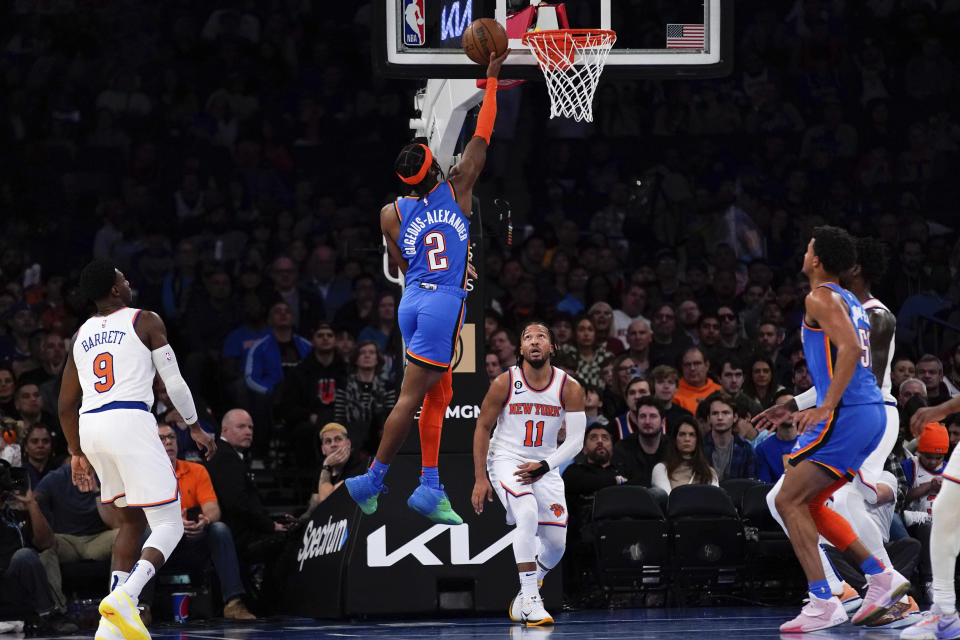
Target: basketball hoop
(572, 61)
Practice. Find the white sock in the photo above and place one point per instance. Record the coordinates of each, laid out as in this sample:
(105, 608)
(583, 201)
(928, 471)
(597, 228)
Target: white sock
(541, 572)
(137, 580)
(117, 578)
(945, 544)
(528, 584)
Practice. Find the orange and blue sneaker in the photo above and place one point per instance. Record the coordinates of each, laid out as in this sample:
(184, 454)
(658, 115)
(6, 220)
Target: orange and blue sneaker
(365, 490)
(433, 503)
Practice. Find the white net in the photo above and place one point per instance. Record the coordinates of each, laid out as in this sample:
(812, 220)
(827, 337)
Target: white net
(572, 61)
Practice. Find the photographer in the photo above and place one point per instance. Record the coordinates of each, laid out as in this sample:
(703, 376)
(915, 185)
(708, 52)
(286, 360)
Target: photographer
(24, 531)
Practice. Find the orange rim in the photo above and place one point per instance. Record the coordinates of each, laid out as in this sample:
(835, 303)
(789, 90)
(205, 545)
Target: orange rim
(556, 48)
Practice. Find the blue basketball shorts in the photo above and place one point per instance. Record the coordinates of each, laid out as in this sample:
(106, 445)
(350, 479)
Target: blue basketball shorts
(843, 441)
(430, 321)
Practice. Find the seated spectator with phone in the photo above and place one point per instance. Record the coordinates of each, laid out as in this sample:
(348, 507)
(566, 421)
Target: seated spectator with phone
(205, 537)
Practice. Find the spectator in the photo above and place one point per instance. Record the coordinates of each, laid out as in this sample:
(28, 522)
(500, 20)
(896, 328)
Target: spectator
(694, 384)
(491, 364)
(625, 423)
(178, 285)
(591, 356)
(638, 345)
(15, 345)
(24, 588)
(8, 384)
(504, 344)
(730, 455)
(633, 303)
(322, 278)
(593, 405)
(360, 309)
(640, 451)
(708, 331)
(339, 462)
(310, 394)
(801, 377)
(930, 372)
(366, 400)
(258, 536)
(952, 422)
(760, 385)
(731, 337)
(83, 527)
(384, 331)
(205, 537)
(601, 314)
(623, 370)
(685, 461)
(901, 368)
(562, 326)
(305, 305)
(665, 380)
(589, 473)
(769, 343)
(667, 346)
(38, 451)
(29, 405)
(52, 357)
(731, 382)
(772, 451)
(909, 388)
(688, 314)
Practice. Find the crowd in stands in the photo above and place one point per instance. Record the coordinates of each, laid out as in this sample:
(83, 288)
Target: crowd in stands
(231, 163)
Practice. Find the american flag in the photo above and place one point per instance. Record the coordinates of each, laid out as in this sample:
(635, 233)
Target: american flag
(686, 36)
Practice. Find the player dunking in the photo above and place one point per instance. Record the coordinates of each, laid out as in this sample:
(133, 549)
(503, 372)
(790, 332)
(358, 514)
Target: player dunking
(105, 401)
(849, 499)
(837, 435)
(528, 404)
(941, 622)
(428, 236)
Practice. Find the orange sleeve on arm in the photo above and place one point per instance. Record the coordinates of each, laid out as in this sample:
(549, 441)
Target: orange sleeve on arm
(488, 112)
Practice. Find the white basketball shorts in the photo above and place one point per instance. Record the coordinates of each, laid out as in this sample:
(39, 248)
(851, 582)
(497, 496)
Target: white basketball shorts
(131, 463)
(548, 491)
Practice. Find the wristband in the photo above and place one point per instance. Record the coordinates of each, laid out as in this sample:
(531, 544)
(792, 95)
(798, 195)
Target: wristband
(542, 469)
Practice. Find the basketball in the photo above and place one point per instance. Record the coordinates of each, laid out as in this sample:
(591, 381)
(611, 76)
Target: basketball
(483, 37)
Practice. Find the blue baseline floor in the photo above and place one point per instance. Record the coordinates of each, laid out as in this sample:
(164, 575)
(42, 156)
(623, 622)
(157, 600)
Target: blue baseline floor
(743, 623)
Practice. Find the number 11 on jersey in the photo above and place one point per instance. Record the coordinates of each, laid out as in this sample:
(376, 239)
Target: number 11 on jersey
(529, 441)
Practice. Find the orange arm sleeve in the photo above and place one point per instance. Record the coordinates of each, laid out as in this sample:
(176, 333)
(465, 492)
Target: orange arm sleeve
(488, 112)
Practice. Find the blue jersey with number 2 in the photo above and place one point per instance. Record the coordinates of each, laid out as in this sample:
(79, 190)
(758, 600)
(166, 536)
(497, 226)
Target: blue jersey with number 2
(434, 237)
(821, 355)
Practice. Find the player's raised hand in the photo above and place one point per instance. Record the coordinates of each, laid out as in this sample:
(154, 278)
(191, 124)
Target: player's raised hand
(493, 68)
(770, 418)
(481, 491)
(806, 419)
(204, 440)
(926, 415)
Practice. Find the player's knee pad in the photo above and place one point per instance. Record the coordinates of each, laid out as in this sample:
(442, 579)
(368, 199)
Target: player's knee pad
(524, 511)
(166, 527)
(553, 542)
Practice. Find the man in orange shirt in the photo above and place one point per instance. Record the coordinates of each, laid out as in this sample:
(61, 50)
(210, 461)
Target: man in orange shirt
(204, 536)
(694, 384)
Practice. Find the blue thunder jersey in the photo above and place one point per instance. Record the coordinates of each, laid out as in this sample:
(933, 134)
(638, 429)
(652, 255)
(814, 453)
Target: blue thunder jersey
(821, 356)
(434, 237)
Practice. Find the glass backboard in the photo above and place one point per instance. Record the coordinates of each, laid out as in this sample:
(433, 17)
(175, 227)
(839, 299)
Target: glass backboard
(655, 38)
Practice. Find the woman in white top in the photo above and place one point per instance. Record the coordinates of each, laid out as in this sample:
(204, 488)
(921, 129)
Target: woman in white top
(685, 462)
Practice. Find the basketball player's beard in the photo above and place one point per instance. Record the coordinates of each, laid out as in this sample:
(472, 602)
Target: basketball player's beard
(539, 363)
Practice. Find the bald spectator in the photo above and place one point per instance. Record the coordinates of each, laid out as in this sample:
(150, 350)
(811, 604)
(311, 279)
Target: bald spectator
(323, 279)
(257, 534)
(694, 384)
(633, 304)
(639, 337)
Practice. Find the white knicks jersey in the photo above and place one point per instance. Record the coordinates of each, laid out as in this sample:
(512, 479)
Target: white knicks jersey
(885, 384)
(528, 424)
(112, 363)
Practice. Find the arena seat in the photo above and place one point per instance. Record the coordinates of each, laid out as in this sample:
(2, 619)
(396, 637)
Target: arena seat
(772, 567)
(631, 539)
(709, 552)
(735, 488)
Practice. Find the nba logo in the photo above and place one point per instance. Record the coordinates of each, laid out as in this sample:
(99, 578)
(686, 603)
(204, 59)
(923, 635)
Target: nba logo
(414, 31)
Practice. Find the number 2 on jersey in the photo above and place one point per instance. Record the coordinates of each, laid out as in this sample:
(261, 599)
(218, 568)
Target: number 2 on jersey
(865, 355)
(103, 371)
(435, 258)
(529, 441)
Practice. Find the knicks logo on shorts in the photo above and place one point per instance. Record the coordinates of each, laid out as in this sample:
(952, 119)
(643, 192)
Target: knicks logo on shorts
(557, 510)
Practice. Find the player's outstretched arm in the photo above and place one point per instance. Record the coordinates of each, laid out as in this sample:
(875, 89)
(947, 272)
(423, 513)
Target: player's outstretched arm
(830, 312)
(935, 413)
(492, 404)
(390, 227)
(153, 333)
(464, 175)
